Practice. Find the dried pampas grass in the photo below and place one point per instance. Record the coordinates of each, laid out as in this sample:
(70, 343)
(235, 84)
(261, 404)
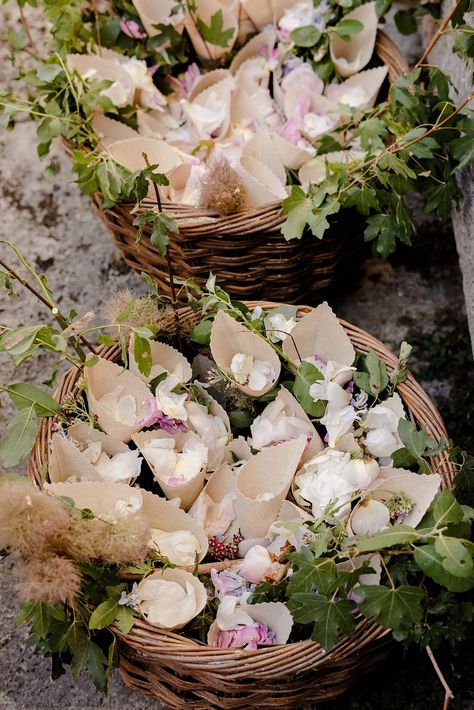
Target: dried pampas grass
(222, 189)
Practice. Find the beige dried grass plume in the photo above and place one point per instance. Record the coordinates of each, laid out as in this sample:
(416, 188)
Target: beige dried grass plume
(222, 189)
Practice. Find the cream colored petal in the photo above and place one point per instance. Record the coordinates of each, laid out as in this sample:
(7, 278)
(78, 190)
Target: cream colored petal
(352, 56)
(260, 45)
(275, 615)
(182, 578)
(103, 499)
(206, 9)
(263, 483)
(154, 12)
(228, 337)
(421, 488)
(164, 358)
(289, 511)
(319, 333)
(111, 131)
(155, 123)
(291, 155)
(208, 80)
(294, 408)
(370, 81)
(369, 517)
(100, 68)
(163, 515)
(261, 148)
(104, 377)
(314, 171)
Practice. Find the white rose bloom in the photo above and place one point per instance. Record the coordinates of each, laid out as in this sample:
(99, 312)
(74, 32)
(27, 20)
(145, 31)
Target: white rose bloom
(180, 546)
(278, 327)
(273, 426)
(206, 120)
(250, 371)
(256, 564)
(381, 443)
(122, 408)
(211, 430)
(324, 489)
(128, 507)
(230, 616)
(120, 467)
(165, 603)
(338, 422)
(170, 403)
(168, 464)
(381, 426)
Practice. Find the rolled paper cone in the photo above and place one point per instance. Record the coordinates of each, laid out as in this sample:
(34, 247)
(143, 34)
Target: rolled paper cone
(260, 13)
(352, 56)
(156, 12)
(228, 337)
(246, 27)
(129, 153)
(238, 448)
(370, 80)
(155, 124)
(265, 176)
(161, 514)
(214, 408)
(246, 106)
(314, 171)
(99, 497)
(206, 9)
(111, 131)
(104, 377)
(164, 358)
(223, 90)
(207, 81)
(181, 577)
(291, 156)
(289, 511)
(261, 148)
(65, 460)
(99, 69)
(269, 472)
(421, 488)
(274, 615)
(319, 333)
(261, 44)
(187, 492)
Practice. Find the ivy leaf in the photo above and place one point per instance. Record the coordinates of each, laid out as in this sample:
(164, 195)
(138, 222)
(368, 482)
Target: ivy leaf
(383, 229)
(21, 434)
(329, 616)
(307, 374)
(298, 206)
(390, 536)
(455, 556)
(417, 444)
(214, 33)
(104, 614)
(431, 563)
(378, 378)
(311, 574)
(97, 666)
(394, 608)
(346, 29)
(446, 509)
(142, 354)
(363, 199)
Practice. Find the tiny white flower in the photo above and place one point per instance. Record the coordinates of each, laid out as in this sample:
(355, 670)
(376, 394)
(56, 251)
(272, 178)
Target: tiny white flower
(278, 327)
(168, 402)
(250, 371)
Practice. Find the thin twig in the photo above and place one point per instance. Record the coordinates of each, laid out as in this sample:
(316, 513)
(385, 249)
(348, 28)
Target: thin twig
(97, 27)
(59, 317)
(34, 51)
(448, 693)
(437, 35)
(174, 302)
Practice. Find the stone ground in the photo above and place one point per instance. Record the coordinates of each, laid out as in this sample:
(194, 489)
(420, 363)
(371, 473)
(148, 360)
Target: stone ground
(417, 296)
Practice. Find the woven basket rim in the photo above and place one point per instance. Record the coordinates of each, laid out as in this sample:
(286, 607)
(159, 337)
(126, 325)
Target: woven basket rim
(187, 653)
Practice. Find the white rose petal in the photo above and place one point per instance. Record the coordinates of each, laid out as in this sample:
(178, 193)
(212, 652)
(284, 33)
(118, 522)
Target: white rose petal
(165, 603)
(369, 517)
(121, 467)
(181, 547)
(256, 564)
(123, 408)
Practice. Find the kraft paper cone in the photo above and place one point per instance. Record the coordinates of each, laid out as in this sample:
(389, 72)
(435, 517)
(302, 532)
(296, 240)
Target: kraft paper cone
(285, 403)
(111, 131)
(261, 148)
(164, 358)
(147, 596)
(129, 154)
(228, 337)
(421, 488)
(105, 500)
(205, 509)
(370, 81)
(314, 171)
(319, 333)
(207, 81)
(186, 492)
(157, 12)
(352, 56)
(103, 378)
(268, 472)
(238, 449)
(205, 10)
(274, 615)
(160, 514)
(248, 107)
(289, 512)
(266, 176)
(291, 155)
(260, 45)
(66, 460)
(99, 69)
(156, 124)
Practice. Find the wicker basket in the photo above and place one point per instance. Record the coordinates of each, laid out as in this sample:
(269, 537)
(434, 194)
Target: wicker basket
(184, 673)
(246, 250)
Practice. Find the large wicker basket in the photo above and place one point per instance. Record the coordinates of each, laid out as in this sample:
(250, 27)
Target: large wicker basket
(246, 250)
(184, 673)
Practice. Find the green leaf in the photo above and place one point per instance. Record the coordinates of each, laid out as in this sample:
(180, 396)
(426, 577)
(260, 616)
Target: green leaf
(391, 536)
(383, 228)
(311, 573)
(330, 616)
(455, 556)
(306, 36)
(124, 619)
(104, 614)
(142, 354)
(346, 29)
(97, 666)
(395, 609)
(446, 508)
(306, 376)
(377, 369)
(298, 206)
(406, 22)
(202, 332)
(214, 33)
(431, 563)
(364, 199)
(25, 395)
(21, 434)
(240, 419)
(48, 72)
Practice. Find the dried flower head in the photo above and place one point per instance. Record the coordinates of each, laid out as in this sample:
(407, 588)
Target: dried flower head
(222, 189)
(51, 579)
(126, 309)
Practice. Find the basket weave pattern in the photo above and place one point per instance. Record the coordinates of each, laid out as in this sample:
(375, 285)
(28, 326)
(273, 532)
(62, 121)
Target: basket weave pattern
(184, 673)
(246, 250)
